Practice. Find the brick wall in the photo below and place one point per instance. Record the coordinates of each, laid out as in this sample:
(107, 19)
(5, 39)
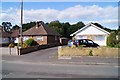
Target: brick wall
(41, 42)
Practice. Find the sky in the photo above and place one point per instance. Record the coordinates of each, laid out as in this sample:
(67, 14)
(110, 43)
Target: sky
(105, 13)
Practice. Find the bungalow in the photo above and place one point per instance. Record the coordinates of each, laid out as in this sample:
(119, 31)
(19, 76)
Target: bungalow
(4, 36)
(7, 37)
(42, 34)
(93, 32)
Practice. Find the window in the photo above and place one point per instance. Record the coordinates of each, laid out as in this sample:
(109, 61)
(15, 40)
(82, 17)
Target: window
(99, 38)
(39, 38)
(90, 42)
(25, 38)
(81, 37)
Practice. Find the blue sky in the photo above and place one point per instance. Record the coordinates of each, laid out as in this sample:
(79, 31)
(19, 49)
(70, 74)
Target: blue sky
(103, 12)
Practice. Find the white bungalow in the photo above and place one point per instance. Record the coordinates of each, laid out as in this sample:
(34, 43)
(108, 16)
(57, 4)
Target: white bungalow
(93, 32)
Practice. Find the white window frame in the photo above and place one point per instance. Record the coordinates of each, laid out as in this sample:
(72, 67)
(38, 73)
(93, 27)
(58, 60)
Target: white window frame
(39, 38)
(25, 38)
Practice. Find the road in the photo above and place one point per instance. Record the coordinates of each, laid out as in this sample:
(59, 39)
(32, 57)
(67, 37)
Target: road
(45, 64)
(43, 70)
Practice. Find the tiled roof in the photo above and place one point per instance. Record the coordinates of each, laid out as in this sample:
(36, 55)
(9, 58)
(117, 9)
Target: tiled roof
(15, 33)
(41, 29)
(3, 33)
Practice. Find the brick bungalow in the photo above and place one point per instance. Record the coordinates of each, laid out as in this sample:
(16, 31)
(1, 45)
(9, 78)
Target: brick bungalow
(42, 33)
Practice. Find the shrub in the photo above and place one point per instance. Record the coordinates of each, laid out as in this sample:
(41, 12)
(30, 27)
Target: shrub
(80, 46)
(117, 45)
(31, 42)
(111, 39)
(24, 45)
(11, 45)
(73, 46)
(90, 53)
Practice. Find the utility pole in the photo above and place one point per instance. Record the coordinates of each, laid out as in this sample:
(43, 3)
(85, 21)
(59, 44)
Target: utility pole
(21, 22)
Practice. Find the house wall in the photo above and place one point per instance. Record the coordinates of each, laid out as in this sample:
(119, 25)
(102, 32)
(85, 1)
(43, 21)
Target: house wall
(4, 40)
(53, 39)
(44, 41)
(16, 40)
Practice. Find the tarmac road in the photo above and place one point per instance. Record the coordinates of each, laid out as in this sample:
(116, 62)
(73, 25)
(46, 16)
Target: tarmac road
(48, 70)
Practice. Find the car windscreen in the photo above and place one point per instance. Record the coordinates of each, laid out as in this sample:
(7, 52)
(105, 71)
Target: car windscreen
(90, 42)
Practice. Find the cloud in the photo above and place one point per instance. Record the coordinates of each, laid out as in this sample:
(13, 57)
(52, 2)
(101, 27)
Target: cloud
(105, 15)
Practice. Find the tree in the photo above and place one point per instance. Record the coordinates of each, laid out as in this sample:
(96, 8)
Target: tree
(111, 40)
(28, 26)
(56, 25)
(75, 27)
(16, 27)
(65, 27)
(7, 26)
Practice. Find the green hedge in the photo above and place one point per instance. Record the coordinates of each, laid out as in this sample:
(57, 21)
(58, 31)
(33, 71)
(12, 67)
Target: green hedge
(31, 42)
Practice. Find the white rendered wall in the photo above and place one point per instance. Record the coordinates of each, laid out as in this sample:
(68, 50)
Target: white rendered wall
(16, 40)
(91, 31)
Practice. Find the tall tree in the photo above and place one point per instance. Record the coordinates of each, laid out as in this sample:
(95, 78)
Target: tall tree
(56, 25)
(7, 26)
(28, 26)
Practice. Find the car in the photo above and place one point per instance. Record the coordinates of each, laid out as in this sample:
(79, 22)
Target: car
(70, 43)
(73, 42)
(83, 42)
(87, 43)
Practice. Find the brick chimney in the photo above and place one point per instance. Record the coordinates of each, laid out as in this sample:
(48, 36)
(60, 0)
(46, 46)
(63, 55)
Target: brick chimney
(39, 23)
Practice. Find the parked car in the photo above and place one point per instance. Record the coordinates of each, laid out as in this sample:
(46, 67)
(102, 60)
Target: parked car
(87, 43)
(84, 42)
(73, 42)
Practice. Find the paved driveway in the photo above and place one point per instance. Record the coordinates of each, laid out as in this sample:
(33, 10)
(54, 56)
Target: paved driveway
(40, 55)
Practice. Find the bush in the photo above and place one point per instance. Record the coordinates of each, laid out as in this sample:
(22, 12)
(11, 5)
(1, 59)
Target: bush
(31, 42)
(11, 45)
(117, 45)
(24, 45)
(73, 46)
(90, 53)
(111, 39)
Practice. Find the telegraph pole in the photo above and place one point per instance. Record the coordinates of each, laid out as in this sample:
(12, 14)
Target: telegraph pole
(21, 22)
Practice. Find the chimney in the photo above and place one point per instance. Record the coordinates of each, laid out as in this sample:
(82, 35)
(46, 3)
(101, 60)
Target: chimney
(39, 23)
